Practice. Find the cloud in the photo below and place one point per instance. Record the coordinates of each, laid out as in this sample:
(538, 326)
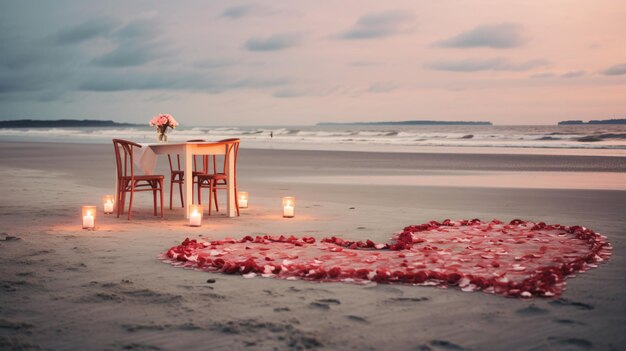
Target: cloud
(616, 70)
(241, 11)
(19, 53)
(137, 45)
(494, 64)
(363, 63)
(573, 74)
(497, 36)
(379, 25)
(34, 68)
(274, 42)
(112, 83)
(85, 31)
(173, 80)
(289, 93)
(129, 54)
(543, 75)
(141, 28)
(212, 63)
(381, 87)
(566, 75)
(32, 80)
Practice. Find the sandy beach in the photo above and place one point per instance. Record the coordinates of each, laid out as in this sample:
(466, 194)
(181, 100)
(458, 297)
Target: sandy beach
(66, 288)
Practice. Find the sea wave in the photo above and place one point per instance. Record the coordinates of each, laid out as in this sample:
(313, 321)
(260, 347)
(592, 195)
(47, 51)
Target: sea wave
(519, 137)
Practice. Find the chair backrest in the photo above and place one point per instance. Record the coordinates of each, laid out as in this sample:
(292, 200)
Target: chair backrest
(125, 165)
(205, 158)
(232, 150)
(205, 165)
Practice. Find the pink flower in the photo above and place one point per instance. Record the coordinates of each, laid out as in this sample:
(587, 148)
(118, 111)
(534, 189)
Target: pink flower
(172, 122)
(163, 121)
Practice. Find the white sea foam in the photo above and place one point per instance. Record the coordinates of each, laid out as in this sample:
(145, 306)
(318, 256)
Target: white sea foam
(408, 137)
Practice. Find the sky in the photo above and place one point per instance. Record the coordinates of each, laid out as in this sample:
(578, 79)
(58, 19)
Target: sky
(303, 62)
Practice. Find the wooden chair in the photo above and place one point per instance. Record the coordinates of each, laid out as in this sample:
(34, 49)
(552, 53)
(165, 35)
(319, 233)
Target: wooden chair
(177, 174)
(218, 179)
(128, 182)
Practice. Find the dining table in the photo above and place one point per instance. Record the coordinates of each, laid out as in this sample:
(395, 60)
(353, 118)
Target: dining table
(146, 159)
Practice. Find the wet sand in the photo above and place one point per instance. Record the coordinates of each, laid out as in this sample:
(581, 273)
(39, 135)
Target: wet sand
(66, 288)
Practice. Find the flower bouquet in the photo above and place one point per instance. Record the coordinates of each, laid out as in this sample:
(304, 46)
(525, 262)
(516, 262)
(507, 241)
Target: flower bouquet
(162, 122)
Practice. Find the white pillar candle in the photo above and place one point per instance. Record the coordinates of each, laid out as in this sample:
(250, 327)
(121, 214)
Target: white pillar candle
(289, 205)
(88, 220)
(108, 207)
(107, 203)
(89, 217)
(195, 219)
(242, 199)
(288, 211)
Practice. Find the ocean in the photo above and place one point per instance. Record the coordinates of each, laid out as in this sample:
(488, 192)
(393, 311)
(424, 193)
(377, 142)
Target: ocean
(607, 140)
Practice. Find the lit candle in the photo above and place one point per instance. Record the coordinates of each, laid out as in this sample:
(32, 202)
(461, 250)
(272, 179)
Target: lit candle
(107, 202)
(289, 204)
(89, 217)
(243, 199)
(195, 215)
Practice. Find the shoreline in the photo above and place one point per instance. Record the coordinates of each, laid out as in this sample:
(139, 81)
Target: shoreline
(325, 145)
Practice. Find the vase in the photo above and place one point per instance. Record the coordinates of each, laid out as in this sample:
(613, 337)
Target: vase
(162, 135)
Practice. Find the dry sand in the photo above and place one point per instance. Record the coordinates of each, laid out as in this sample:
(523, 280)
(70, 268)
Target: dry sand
(63, 288)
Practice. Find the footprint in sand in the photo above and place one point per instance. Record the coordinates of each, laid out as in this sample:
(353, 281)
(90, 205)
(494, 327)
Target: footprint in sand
(408, 299)
(330, 301)
(15, 285)
(568, 322)
(385, 288)
(25, 274)
(15, 326)
(357, 319)
(570, 343)
(142, 347)
(532, 310)
(324, 304)
(10, 238)
(566, 302)
(321, 306)
(440, 345)
(102, 297)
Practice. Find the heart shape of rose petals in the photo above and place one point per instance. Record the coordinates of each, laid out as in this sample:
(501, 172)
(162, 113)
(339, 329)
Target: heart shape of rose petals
(519, 259)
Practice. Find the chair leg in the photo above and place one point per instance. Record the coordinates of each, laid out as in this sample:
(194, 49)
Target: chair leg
(210, 195)
(130, 203)
(236, 201)
(120, 203)
(199, 193)
(123, 200)
(214, 193)
(182, 198)
(119, 200)
(154, 193)
(161, 192)
(171, 187)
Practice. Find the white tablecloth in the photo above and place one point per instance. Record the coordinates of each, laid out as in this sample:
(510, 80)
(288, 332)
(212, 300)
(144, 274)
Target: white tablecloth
(146, 159)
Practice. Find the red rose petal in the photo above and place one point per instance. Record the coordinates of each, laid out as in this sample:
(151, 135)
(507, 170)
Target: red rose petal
(520, 259)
